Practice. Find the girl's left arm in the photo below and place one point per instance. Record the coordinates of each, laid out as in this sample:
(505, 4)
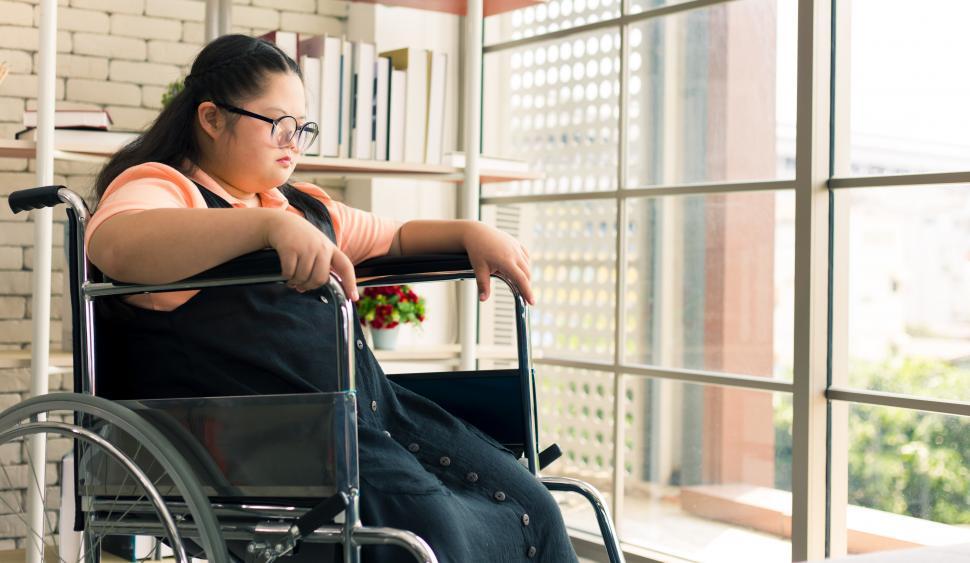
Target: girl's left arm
(489, 250)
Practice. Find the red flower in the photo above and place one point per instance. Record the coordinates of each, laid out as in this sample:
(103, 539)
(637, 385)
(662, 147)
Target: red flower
(381, 303)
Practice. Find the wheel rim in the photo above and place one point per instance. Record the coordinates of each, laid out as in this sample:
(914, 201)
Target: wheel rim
(160, 462)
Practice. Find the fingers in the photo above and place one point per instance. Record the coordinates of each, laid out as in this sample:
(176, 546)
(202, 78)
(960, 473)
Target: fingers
(524, 266)
(521, 279)
(287, 264)
(483, 279)
(343, 267)
(304, 270)
(321, 269)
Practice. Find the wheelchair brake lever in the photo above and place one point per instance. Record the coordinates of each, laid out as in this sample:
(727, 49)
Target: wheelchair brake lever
(320, 514)
(549, 455)
(266, 548)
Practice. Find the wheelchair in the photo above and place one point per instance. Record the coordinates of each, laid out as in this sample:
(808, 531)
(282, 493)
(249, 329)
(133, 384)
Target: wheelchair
(268, 474)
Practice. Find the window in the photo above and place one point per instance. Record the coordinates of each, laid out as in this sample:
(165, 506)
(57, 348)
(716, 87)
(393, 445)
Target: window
(681, 363)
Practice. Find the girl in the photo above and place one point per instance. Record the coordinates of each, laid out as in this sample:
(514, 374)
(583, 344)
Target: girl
(208, 182)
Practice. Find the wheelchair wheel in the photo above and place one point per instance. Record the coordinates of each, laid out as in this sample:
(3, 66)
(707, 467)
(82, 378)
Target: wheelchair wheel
(102, 475)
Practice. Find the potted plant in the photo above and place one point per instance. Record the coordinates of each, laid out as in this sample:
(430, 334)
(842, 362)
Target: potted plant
(383, 309)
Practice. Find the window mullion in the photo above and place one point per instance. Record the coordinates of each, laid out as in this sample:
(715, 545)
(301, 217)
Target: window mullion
(619, 346)
(809, 455)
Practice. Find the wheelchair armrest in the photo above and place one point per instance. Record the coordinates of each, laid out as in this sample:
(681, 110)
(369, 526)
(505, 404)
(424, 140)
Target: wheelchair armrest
(267, 263)
(260, 263)
(415, 264)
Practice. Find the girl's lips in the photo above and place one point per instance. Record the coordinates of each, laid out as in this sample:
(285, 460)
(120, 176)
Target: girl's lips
(285, 160)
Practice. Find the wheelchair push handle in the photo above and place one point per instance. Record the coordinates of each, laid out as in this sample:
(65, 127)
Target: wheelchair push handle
(35, 198)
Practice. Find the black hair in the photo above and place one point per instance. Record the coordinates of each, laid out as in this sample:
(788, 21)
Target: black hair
(229, 69)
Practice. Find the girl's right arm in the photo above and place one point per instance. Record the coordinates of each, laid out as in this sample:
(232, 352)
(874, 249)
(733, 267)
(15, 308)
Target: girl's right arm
(158, 246)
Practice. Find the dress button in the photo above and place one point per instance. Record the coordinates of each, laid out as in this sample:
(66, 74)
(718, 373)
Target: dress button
(531, 552)
(386, 433)
(499, 496)
(373, 406)
(360, 344)
(445, 461)
(525, 519)
(323, 298)
(471, 477)
(413, 448)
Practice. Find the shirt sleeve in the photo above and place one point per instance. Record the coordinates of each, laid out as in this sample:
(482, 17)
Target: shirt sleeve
(360, 234)
(147, 186)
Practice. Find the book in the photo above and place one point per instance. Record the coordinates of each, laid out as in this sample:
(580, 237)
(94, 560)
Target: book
(285, 40)
(437, 83)
(396, 114)
(414, 62)
(457, 160)
(312, 46)
(361, 130)
(327, 49)
(382, 84)
(83, 140)
(92, 119)
(330, 96)
(343, 146)
(310, 66)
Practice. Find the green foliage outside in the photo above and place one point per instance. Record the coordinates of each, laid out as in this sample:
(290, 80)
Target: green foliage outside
(901, 461)
(173, 89)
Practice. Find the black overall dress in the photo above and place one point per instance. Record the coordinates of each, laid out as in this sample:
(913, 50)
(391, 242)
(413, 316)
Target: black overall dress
(421, 468)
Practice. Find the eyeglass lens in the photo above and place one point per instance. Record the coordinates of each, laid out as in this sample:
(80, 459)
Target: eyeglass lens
(286, 128)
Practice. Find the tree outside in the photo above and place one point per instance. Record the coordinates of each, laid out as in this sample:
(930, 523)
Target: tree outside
(901, 461)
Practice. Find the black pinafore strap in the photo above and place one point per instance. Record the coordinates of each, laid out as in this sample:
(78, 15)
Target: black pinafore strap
(314, 211)
(239, 340)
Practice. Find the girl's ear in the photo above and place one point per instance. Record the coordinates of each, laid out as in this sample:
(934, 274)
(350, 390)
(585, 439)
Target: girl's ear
(210, 119)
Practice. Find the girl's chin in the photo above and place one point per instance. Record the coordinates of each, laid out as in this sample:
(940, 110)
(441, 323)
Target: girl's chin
(281, 175)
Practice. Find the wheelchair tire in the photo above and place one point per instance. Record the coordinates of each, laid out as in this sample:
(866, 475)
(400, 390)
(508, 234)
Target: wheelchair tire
(127, 469)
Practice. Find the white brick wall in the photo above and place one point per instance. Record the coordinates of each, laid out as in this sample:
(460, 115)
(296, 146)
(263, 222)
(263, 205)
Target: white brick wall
(69, 19)
(110, 47)
(145, 27)
(113, 54)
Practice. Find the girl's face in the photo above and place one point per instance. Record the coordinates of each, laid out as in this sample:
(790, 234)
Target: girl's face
(247, 158)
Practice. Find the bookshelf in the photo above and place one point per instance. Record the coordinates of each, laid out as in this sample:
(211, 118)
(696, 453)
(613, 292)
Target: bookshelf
(344, 167)
(458, 7)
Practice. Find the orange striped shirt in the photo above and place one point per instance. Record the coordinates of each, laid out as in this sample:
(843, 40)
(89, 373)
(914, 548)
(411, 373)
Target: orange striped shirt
(153, 185)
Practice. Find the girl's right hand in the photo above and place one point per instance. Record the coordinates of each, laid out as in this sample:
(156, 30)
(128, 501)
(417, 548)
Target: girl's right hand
(307, 255)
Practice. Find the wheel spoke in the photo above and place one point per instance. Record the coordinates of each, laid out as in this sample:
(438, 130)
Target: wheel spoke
(113, 451)
(19, 513)
(122, 486)
(37, 486)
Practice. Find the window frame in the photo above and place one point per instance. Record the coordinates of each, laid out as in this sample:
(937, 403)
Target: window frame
(820, 398)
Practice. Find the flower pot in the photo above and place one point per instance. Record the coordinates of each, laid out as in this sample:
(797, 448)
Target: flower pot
(385, 338)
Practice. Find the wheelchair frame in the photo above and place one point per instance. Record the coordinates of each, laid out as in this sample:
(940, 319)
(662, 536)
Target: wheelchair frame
(274, 531)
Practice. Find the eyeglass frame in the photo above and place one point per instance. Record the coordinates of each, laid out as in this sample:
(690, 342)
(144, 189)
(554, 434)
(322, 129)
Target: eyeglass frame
(300, 129)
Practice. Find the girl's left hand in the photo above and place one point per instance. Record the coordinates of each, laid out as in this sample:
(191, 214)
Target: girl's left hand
(493, 251)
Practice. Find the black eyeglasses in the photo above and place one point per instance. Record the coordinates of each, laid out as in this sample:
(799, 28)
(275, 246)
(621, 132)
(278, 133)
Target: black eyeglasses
(284, 128)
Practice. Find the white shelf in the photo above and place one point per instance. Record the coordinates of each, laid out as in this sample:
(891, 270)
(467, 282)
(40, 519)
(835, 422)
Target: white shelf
(459, 7)
(343, 167)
